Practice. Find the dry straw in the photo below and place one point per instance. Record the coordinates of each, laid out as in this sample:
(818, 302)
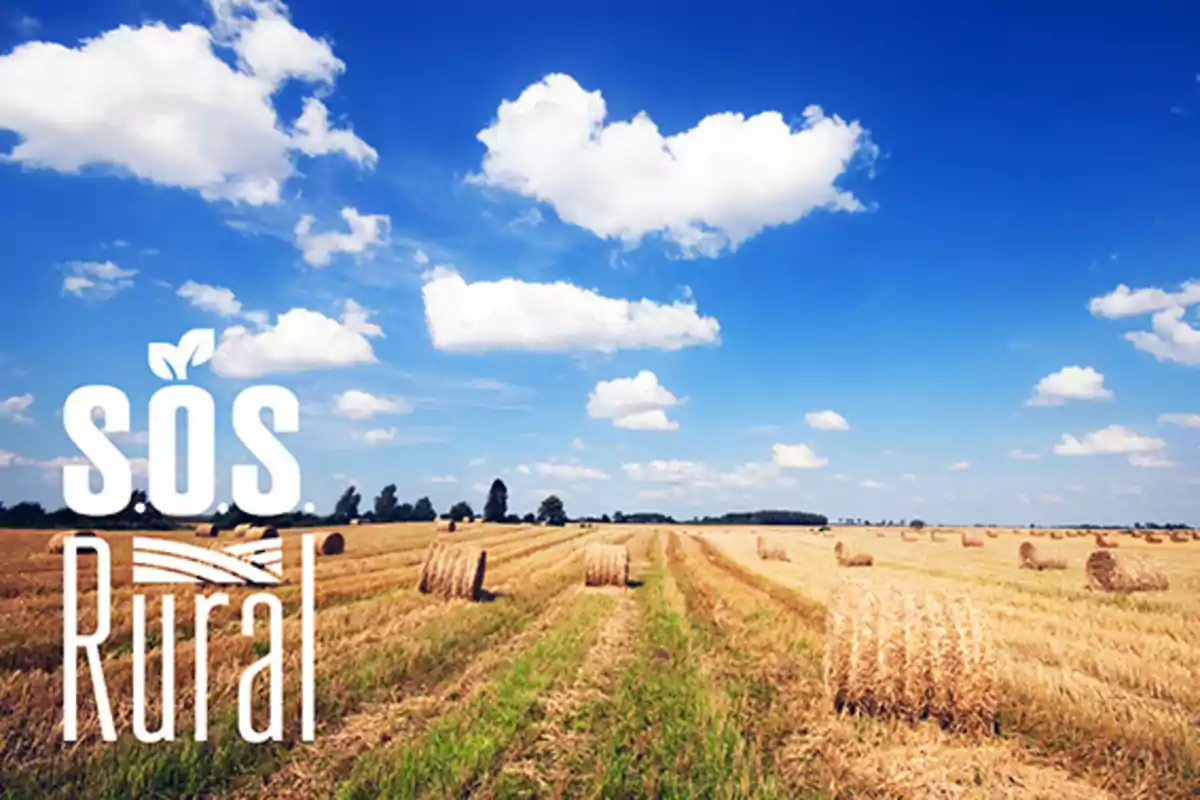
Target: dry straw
(1036, 532)
(1150, 538)
(910, 655)
(906, 537)
(453, 570)
(848, 558)
(1031, 559)
(1123, 572)
(606, 565)
(770, 552)
(239, 531)
(207, 529)
(445, 526)
(331, 543)
(971, 540)
(58, 542)
(934, 537)
(1102, 541)
(1056, 535)
(991, 534)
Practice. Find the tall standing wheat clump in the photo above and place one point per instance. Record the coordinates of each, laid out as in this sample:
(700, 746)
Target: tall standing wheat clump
(606, 565)
(911, 656)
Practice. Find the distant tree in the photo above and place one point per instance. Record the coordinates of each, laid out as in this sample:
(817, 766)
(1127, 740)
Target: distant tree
(423, 511)
(618, 517)
(404, 513)
(461, 510)
(552, 512)
(25, 515)
(347, 505)
(529, 519)
(604, 518)
(496, 507)
(513, 519)
(385, 504)
(917, 524)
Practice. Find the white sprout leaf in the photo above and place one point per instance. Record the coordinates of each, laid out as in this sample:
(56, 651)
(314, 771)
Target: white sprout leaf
(198, 344)
(160, 355)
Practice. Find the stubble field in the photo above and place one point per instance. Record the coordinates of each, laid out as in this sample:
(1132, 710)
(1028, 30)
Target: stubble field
(704, 678)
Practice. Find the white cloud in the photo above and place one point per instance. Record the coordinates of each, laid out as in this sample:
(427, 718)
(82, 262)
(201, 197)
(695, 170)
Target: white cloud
(95, 280)
(523, 469)
(366, 231)
(1150, 462)
(870, 484)
(300, 340)
(796, 456)
(357, 404)
(480, 488)
(706, 189)
(826, 421)
(1171, 339)
(578, 444)
(441, 479)
(163, 104)
(219, 300)
(514, 315)
(1126, 302)
(667, 471)
(636, 403)
(1113, 439)
(570, 472)
(14, 407)
(379, 435)
(1023, 499)
(1069, 383)
(1182, 420)
(957, 466)
(9, 459)
(477, 462)
(420, 257)
(1021, 455)
(698, 475)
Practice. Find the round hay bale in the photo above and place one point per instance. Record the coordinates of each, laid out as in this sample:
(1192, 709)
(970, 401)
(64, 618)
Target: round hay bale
(1036, 532)
(207, 529)
(905, 536)
(239, 531)
(848, 558)
(445, 526)
(1102, 541)
(1196, 536)
(58, 542)
(910, 656)
(770, 552)
(991, 534)
(1056, 535)
(1031, 559)
(971, 540)
(606, 565)
(453, 570)
(330, 543)
(1151, 538)
(1180, 537)
(934, 537)
(261, 532)
(1123, 572)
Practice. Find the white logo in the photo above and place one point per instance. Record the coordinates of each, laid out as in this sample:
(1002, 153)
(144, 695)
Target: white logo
(166, 561)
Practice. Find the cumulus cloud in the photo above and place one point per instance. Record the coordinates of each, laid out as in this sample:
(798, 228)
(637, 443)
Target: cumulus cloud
(1126, 302)
(95, 280)
(300, 340)
(14, 407)
(1069, 383)
(1170, 338)
(578, 443)
(796, 456)
(441, 479)
(698, 475)
(165, 105)
(1021, 455)
(1150, 462)
(826, 421)
(367, 231)
(637, 403)
(1182, 420)
(569, 472)
(357, 404)
(510, 314)
(958, 466)
(219, 300)
(707, 189)
(666, 470)
(477, 462)
(1115, 439)
(379, 435)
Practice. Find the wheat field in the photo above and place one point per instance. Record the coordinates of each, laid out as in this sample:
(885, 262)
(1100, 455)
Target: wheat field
(703, 677)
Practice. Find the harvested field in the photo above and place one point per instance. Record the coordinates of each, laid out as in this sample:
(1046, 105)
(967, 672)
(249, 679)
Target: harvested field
(716, 673)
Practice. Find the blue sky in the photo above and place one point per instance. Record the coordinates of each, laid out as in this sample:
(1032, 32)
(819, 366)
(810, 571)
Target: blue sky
(914, 222)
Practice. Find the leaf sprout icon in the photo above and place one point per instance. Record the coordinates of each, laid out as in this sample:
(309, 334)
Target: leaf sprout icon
(170, 362)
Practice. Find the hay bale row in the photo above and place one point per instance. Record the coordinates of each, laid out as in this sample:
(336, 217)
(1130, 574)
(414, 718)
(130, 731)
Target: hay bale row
(910, 656)
(58, 542)
(606, 565)
(453, 570)
(330, 543)
(1105, 542)
(1032, 559)
(770, 552)
(1123, 572)
(849, 558)
(207, 529)
(971, 540)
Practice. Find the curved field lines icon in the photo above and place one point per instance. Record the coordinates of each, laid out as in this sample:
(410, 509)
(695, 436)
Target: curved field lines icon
(248, 563)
